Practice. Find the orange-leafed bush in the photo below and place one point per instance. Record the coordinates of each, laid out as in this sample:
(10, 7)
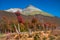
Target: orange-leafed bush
(34, 20)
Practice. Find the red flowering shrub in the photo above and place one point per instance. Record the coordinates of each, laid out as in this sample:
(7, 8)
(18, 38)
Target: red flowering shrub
(19, 17)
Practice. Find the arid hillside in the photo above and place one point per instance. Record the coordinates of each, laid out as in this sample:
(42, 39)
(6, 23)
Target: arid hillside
(40, 17)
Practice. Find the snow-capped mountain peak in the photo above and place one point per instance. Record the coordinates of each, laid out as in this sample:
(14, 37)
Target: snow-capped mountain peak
(14, 10)
(32, 8)
(29, 10)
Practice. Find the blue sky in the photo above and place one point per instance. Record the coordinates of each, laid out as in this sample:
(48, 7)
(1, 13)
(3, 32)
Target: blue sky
(50, 6)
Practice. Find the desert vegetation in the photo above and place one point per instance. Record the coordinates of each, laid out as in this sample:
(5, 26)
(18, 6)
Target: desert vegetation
(20, 25)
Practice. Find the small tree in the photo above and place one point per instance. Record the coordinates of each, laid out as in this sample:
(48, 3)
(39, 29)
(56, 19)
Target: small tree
(6, 23)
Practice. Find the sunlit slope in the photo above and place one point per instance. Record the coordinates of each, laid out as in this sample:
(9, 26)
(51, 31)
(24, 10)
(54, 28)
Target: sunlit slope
(37, 12)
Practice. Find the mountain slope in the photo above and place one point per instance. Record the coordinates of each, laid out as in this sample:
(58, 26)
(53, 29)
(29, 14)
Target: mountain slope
(40, 17)
(11, 16)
